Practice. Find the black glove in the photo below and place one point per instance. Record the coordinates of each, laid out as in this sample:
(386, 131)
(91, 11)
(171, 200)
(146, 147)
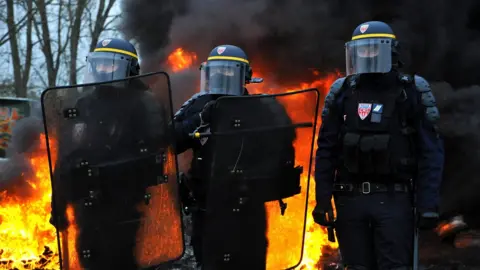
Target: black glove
(428, 220)
(323, 215)
(205, 114)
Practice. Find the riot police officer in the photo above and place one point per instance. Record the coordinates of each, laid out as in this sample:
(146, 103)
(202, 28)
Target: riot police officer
(225, 72)
(115, 121)
(378, 133)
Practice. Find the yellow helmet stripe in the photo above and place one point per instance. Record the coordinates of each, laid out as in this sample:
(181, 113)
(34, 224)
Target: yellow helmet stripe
(228, 58)
(116, 51)
(373, 36)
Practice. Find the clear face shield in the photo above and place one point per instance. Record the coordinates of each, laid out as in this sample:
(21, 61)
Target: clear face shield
(106, 66)
(222, 78)
(373, 55)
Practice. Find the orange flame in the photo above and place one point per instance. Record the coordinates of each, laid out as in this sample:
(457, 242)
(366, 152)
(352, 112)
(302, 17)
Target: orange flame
(27, 239)
(179, 59)
(316, 238)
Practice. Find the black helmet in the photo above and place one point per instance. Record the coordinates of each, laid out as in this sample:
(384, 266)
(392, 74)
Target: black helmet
(112, 59)
(226, 71)
(371, 49)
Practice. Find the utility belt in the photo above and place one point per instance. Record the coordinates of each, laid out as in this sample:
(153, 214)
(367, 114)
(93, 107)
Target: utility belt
(368, 188)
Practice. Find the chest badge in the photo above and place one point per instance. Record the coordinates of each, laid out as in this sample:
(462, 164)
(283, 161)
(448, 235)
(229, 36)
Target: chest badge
(364, 110)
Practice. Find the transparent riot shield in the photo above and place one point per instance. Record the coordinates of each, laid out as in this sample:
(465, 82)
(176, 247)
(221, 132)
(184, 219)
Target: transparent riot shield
(260, 149)
(114, 174)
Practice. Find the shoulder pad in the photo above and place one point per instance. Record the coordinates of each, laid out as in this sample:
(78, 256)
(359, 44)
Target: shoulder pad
(422, 85)
(335, 89)
(427, 99)
(352, 81)
(179, 114)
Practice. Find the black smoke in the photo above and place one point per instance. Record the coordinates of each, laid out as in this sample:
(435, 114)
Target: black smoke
(16, 169)
(285, 39)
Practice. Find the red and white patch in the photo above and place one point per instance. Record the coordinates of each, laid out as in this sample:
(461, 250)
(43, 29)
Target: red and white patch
(220, 50)
(363, 28)
(364, 110)
(106, 42)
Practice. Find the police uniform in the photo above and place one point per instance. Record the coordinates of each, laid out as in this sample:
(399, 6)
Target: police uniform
(378, 133)
(226, 72)
(112, 121)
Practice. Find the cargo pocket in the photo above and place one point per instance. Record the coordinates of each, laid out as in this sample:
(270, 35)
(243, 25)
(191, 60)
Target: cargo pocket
(366, 159)
(381, 154)
(351, 152)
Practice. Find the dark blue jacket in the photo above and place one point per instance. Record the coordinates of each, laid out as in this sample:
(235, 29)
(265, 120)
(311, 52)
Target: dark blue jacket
(429, 145)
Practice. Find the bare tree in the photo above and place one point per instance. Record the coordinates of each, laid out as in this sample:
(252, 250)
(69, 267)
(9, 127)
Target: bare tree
(61, 28)
(75, 16)
(62, 32)
(21, 72)
(101, 21)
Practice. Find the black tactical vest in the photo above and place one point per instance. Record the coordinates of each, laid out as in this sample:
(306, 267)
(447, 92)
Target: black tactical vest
(378, 130)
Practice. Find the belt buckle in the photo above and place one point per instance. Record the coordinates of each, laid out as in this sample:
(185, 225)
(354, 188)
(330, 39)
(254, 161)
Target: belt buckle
(366, 188)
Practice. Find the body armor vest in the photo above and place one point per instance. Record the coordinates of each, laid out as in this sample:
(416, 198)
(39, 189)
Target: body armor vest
(377, 132)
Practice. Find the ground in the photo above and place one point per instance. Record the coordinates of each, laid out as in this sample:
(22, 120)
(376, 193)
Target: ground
(434, 255)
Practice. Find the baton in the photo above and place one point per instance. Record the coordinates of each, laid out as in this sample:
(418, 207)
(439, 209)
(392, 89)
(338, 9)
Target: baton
(199, 135)
(416, 232)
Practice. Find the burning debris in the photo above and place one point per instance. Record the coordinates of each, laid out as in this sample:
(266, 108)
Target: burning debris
(27, 240)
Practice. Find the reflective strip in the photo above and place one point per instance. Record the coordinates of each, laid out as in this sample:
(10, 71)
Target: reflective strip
(374, 35)
(228, 58)
(116, 51)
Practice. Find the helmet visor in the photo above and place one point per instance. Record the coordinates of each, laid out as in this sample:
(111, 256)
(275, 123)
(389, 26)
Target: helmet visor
(106, 66)
(222, 78)
(368, 56)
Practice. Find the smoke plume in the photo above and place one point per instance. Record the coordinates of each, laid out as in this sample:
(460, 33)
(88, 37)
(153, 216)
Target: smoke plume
(16, 168)
(285, 39)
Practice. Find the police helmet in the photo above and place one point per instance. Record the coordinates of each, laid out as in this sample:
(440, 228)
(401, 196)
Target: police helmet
(112, 59)
(371, 50)
(226, 71)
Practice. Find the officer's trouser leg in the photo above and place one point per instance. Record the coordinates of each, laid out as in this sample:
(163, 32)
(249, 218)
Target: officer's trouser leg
(354, 232)
(393, 230)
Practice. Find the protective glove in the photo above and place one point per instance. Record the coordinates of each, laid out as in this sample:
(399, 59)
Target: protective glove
(206, 113)
(323, 215)
(428, 220)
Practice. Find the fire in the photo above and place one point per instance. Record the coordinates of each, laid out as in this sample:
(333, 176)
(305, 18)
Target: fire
(27, 239)
(316, 238)
(316, 245)
(179, 59)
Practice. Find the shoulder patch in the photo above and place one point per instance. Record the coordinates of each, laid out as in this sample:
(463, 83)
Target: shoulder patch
(335, 89)
(427, 99)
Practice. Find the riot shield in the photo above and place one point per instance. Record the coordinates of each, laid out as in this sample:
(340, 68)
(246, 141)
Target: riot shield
(260, 148)
(115, 200)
